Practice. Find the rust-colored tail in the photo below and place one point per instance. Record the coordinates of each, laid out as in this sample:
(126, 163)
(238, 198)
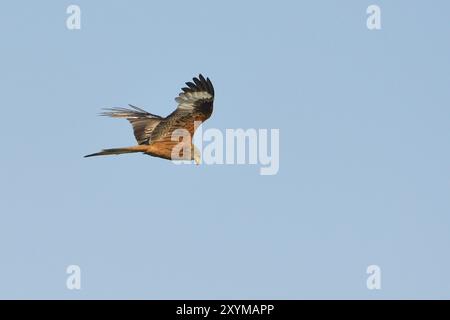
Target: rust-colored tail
(106, 152)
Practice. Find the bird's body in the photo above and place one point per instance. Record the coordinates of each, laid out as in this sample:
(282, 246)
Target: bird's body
(155, 134)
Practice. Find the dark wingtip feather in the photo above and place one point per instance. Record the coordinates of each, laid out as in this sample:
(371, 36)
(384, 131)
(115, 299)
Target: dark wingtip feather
(210, 86)
(190, 85)
(199, 83)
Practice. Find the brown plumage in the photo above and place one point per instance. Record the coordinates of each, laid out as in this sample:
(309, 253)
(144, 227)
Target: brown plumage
(154, 134)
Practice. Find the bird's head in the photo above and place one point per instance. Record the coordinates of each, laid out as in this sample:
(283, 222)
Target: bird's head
(196, 155)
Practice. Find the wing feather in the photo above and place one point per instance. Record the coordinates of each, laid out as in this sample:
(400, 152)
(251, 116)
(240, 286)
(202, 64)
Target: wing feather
(195, 103)
(198, 94)
(143, 122)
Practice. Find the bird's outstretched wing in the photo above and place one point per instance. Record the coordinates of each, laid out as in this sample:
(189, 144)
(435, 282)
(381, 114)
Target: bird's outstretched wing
(142, 121)
(195, 104)
(197, 96)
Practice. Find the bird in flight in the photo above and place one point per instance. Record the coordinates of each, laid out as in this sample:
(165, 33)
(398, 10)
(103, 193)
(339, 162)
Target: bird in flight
(154, 134)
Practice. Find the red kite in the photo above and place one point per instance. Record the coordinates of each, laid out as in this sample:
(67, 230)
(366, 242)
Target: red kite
(154, 133)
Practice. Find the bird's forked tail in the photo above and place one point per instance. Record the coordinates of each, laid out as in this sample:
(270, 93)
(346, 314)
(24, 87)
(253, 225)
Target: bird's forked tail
(106, 152)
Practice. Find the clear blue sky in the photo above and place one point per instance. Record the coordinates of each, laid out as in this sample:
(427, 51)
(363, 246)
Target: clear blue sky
(364, 161)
